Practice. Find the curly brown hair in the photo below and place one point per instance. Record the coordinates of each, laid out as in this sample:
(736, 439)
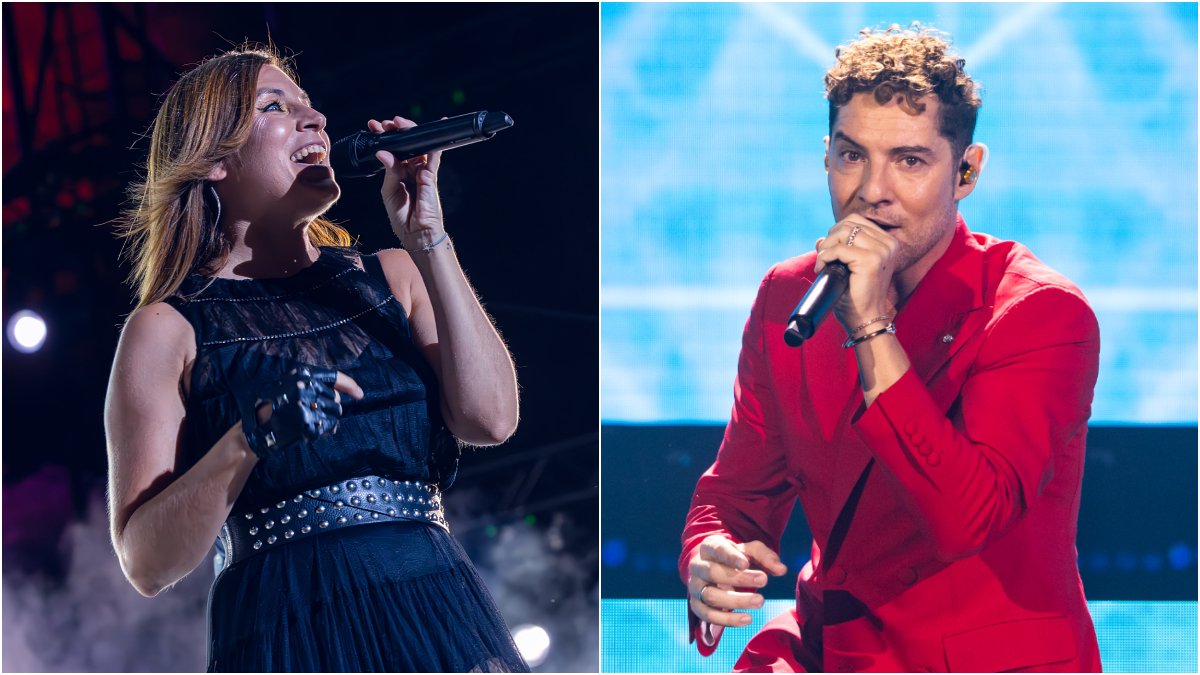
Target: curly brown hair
(914, 62)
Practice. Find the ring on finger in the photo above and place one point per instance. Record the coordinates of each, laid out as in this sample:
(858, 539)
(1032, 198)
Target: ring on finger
(700, 597)
(853, 234)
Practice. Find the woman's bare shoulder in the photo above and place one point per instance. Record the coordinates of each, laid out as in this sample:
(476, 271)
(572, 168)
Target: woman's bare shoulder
(158, 332)
(157, 320)
(402, 275)
(398, 265)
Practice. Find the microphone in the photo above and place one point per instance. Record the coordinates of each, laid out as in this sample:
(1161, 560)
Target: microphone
(354, 155)
(829, 286)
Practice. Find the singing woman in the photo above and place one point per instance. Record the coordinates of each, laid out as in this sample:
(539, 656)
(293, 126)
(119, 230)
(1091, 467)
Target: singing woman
(296, 401)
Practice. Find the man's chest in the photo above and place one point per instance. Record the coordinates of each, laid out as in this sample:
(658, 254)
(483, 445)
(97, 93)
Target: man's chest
(816, 398)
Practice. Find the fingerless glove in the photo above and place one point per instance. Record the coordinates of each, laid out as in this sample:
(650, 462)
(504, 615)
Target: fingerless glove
(304, 407)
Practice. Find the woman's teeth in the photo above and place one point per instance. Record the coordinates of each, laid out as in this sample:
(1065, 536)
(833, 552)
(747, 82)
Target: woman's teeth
(302, 153)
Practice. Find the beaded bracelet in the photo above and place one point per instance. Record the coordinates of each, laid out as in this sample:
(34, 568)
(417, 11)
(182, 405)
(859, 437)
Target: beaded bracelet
(875, 320)
(891, 328)
(428, 247)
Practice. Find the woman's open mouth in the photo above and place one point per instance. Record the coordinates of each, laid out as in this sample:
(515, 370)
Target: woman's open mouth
(311, 154)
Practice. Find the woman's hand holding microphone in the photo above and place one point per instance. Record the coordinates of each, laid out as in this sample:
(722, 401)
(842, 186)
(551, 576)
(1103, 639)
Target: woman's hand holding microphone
(410, 192)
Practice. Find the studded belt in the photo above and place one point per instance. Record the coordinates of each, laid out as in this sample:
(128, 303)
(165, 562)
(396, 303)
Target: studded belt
(357, 501)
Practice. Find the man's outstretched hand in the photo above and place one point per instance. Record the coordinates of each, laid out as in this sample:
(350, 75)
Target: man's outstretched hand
(718, 567)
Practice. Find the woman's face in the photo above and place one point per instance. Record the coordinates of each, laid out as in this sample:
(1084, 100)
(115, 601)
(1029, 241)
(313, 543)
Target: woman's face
(283, 168)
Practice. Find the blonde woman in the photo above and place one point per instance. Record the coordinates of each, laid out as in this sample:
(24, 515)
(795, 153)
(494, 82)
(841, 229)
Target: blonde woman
(296, 401)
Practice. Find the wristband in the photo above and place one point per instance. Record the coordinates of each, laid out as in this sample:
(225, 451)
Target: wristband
(429, 247)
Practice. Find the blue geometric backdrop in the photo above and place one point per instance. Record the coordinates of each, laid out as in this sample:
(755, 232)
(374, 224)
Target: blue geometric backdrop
(712, 119)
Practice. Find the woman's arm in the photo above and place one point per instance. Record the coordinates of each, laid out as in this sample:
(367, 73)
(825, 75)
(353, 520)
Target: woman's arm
(478, 381)
(163, 524)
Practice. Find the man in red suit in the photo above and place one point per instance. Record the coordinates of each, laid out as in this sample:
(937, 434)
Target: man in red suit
(934, 433)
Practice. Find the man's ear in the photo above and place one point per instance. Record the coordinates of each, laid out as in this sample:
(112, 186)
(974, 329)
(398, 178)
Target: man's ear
(976, 155)
(974, 159)
(826, 142)
(218, 172)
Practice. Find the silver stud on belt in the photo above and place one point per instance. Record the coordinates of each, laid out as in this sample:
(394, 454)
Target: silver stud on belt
(357, 501)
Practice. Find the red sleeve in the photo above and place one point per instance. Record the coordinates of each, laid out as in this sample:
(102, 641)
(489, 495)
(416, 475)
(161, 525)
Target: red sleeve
(745, 495)
(1027, 396)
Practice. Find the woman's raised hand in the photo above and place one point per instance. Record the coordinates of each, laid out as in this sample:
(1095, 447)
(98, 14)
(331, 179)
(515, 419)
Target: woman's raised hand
(410, 191)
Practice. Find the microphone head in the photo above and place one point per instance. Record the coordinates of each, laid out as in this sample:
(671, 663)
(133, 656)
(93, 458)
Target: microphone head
(351, 157)
(495, 120)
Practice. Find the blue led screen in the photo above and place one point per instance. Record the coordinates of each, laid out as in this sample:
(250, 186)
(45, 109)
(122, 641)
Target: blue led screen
(712, 120)
(650, 636)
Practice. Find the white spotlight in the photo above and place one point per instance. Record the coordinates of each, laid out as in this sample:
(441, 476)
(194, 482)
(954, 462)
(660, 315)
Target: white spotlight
(26, 331)
(534, 643)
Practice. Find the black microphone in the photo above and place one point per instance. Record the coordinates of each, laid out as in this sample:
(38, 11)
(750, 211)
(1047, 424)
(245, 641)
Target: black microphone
(354, 155)
(828, 287)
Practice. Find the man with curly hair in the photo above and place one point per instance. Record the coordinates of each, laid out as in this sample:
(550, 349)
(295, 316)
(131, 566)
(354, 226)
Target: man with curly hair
(934, 433)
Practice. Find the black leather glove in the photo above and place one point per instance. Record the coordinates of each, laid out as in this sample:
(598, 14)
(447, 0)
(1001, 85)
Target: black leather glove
(304, 407)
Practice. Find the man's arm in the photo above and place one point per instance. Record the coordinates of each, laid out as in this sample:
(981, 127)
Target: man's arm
(745, 496)
(1029, 393)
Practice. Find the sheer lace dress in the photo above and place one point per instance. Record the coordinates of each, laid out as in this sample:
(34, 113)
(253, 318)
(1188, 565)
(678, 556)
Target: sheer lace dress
(398, 596)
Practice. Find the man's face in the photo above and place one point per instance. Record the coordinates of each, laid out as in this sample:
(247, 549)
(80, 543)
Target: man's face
(890, 165)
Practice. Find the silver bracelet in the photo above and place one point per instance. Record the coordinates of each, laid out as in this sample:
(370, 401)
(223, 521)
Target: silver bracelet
(891, 328)
(875, 320)
(429, 247)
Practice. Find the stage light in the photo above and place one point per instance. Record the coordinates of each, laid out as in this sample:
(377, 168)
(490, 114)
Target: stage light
(26, 331)
(533, 642)
(1180, 556)
(613, 553)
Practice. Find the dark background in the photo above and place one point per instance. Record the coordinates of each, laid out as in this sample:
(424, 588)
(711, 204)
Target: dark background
(1137, 514)
(81, 84)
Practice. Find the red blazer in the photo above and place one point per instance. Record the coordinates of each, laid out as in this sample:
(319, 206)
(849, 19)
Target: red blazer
(944, 515)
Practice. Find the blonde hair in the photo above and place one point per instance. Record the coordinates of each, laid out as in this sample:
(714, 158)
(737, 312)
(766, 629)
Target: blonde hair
(170, 225)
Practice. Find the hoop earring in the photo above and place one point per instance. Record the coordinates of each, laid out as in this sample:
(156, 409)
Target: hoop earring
(218, 198)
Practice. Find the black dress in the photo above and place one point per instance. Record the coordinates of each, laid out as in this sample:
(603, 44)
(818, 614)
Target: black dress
(384, 596)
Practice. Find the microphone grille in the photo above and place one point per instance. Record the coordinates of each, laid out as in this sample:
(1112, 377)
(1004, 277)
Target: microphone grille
(361, 143)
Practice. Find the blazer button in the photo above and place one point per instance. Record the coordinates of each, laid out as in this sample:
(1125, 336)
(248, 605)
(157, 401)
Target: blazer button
(837, 575)
(925, 449)
(910, 428)
(918, 438)
(907, 576)
(934, 459)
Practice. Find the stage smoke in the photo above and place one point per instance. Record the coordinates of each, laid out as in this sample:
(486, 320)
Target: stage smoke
(94, 621)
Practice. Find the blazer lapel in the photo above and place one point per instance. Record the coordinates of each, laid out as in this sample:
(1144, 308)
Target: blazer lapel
(944, 303)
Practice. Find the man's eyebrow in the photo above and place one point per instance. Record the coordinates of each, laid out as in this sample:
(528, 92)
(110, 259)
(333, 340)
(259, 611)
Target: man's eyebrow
(841, 136)
(283, 94)
(912, 150)
(901, 150)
